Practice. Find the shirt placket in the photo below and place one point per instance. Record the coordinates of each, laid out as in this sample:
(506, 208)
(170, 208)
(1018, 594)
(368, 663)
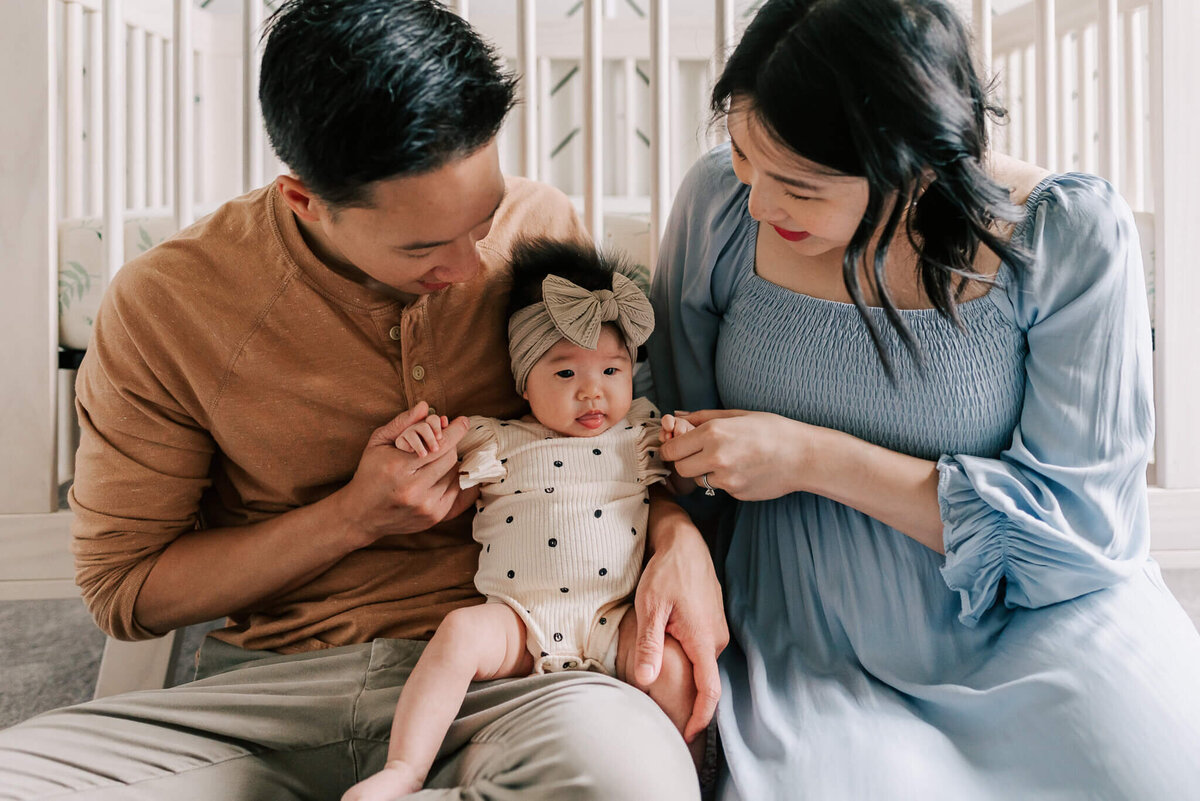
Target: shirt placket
(418, 368)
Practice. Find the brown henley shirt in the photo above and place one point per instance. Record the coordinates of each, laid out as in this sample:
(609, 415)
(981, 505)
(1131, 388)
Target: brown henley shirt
(232, 377)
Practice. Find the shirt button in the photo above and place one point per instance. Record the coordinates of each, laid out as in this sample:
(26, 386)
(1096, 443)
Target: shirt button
(395, 333)
(418, 373)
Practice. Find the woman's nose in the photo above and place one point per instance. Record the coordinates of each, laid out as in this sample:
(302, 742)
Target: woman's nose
(761, 206)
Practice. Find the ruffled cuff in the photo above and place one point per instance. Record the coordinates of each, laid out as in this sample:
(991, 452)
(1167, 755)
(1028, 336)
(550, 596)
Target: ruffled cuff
(975, 537)
(481, 455)
(650, 467)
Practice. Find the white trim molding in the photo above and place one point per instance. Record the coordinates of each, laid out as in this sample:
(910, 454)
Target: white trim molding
(1175, 527)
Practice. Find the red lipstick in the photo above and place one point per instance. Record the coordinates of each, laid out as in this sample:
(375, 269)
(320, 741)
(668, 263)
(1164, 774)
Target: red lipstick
(791, 236)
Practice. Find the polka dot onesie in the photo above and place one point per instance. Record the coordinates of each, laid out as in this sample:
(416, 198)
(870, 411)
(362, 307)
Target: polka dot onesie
(562, 522)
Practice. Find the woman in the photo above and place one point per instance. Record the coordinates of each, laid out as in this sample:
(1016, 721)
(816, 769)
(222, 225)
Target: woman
(924, 372)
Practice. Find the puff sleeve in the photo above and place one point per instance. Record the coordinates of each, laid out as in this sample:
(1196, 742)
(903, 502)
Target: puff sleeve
(1063, 510)
(703, 243)
(479, 451)
(650, 467)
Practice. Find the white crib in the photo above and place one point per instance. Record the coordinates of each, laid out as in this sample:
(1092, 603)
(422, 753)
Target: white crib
(100, 160)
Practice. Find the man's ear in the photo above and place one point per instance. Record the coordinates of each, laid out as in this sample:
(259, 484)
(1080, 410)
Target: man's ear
(299, 198)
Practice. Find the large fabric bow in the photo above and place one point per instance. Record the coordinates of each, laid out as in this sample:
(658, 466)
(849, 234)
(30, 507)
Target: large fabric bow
(568, 311)
(578, 313)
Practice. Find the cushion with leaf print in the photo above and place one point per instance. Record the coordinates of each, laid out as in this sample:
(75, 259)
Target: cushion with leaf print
(81, 279)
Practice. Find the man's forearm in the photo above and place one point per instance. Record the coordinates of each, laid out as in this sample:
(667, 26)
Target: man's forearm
(667, 521)
(212, 573)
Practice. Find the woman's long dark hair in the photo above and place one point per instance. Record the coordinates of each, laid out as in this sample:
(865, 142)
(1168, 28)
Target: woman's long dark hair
(886, 90)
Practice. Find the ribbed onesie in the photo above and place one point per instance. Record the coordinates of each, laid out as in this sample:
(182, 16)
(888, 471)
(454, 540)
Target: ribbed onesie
(562, 522)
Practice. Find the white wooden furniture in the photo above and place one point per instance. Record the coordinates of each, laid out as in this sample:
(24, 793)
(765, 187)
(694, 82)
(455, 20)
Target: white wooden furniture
(614, 112)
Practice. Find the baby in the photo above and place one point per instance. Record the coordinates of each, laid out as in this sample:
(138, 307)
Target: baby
(562, 513)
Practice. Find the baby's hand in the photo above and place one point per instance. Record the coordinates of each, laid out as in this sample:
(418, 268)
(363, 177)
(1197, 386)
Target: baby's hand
(673, 426)
(424, 437)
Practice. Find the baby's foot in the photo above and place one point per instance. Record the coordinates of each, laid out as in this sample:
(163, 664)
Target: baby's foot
(396, 780)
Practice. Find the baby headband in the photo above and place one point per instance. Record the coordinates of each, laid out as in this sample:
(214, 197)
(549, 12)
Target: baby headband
(568, 311)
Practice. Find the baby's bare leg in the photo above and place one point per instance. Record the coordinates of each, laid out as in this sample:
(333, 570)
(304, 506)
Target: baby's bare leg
(475, 643)
(675, 688)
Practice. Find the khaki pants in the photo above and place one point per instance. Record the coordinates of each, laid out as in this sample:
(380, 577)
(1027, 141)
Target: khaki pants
(307, 726)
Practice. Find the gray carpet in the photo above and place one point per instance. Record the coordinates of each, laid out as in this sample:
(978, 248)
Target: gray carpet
(50, 656)
(50, 650)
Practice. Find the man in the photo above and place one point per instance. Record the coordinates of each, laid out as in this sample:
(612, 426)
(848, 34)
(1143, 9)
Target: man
(238, 413)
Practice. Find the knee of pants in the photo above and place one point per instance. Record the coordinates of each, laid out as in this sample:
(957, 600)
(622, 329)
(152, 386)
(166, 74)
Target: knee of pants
(607, 741)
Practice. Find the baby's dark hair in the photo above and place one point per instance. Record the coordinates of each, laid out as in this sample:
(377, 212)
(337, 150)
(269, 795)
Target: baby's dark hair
(534, 259)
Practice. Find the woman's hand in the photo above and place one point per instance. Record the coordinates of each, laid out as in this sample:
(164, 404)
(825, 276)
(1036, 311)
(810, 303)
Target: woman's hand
(754, 456)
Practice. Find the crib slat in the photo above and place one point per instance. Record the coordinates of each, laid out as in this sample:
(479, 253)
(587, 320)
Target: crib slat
(1083, 103)
(200, 149)
(527, 67)
(1134, 107)
(1108, 58)
(660, 124)
(95, 109)
(1014, 132)
(114, 136)
(253, 140)
(981, 20)
(724, 28)
(543, 86)
(629, 137)
(155, 142)
(1062, 97)
(135, 104)
(168, 69)
(593, 110)
(184, 159)
(712, 133)
(73, 44)
(1047, 69)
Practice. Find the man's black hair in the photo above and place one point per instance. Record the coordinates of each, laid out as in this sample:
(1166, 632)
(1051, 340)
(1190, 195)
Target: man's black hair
(357, 91)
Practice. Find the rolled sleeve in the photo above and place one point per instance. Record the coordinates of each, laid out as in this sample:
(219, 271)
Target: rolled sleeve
(141, 469)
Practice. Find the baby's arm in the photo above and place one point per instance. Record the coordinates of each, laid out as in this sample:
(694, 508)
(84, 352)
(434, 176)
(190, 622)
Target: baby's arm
(424, 437)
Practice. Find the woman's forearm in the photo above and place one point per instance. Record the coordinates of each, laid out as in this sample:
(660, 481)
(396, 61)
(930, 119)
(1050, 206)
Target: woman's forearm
(894, 488)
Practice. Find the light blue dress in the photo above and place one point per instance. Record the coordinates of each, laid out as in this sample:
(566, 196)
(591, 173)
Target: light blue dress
(1042, 657)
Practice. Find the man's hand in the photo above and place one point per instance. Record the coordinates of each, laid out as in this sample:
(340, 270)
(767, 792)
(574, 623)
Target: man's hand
(397, 491)
(679, 594)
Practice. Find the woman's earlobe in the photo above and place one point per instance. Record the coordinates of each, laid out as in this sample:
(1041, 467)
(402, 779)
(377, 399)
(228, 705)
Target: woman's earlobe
(928, 176)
